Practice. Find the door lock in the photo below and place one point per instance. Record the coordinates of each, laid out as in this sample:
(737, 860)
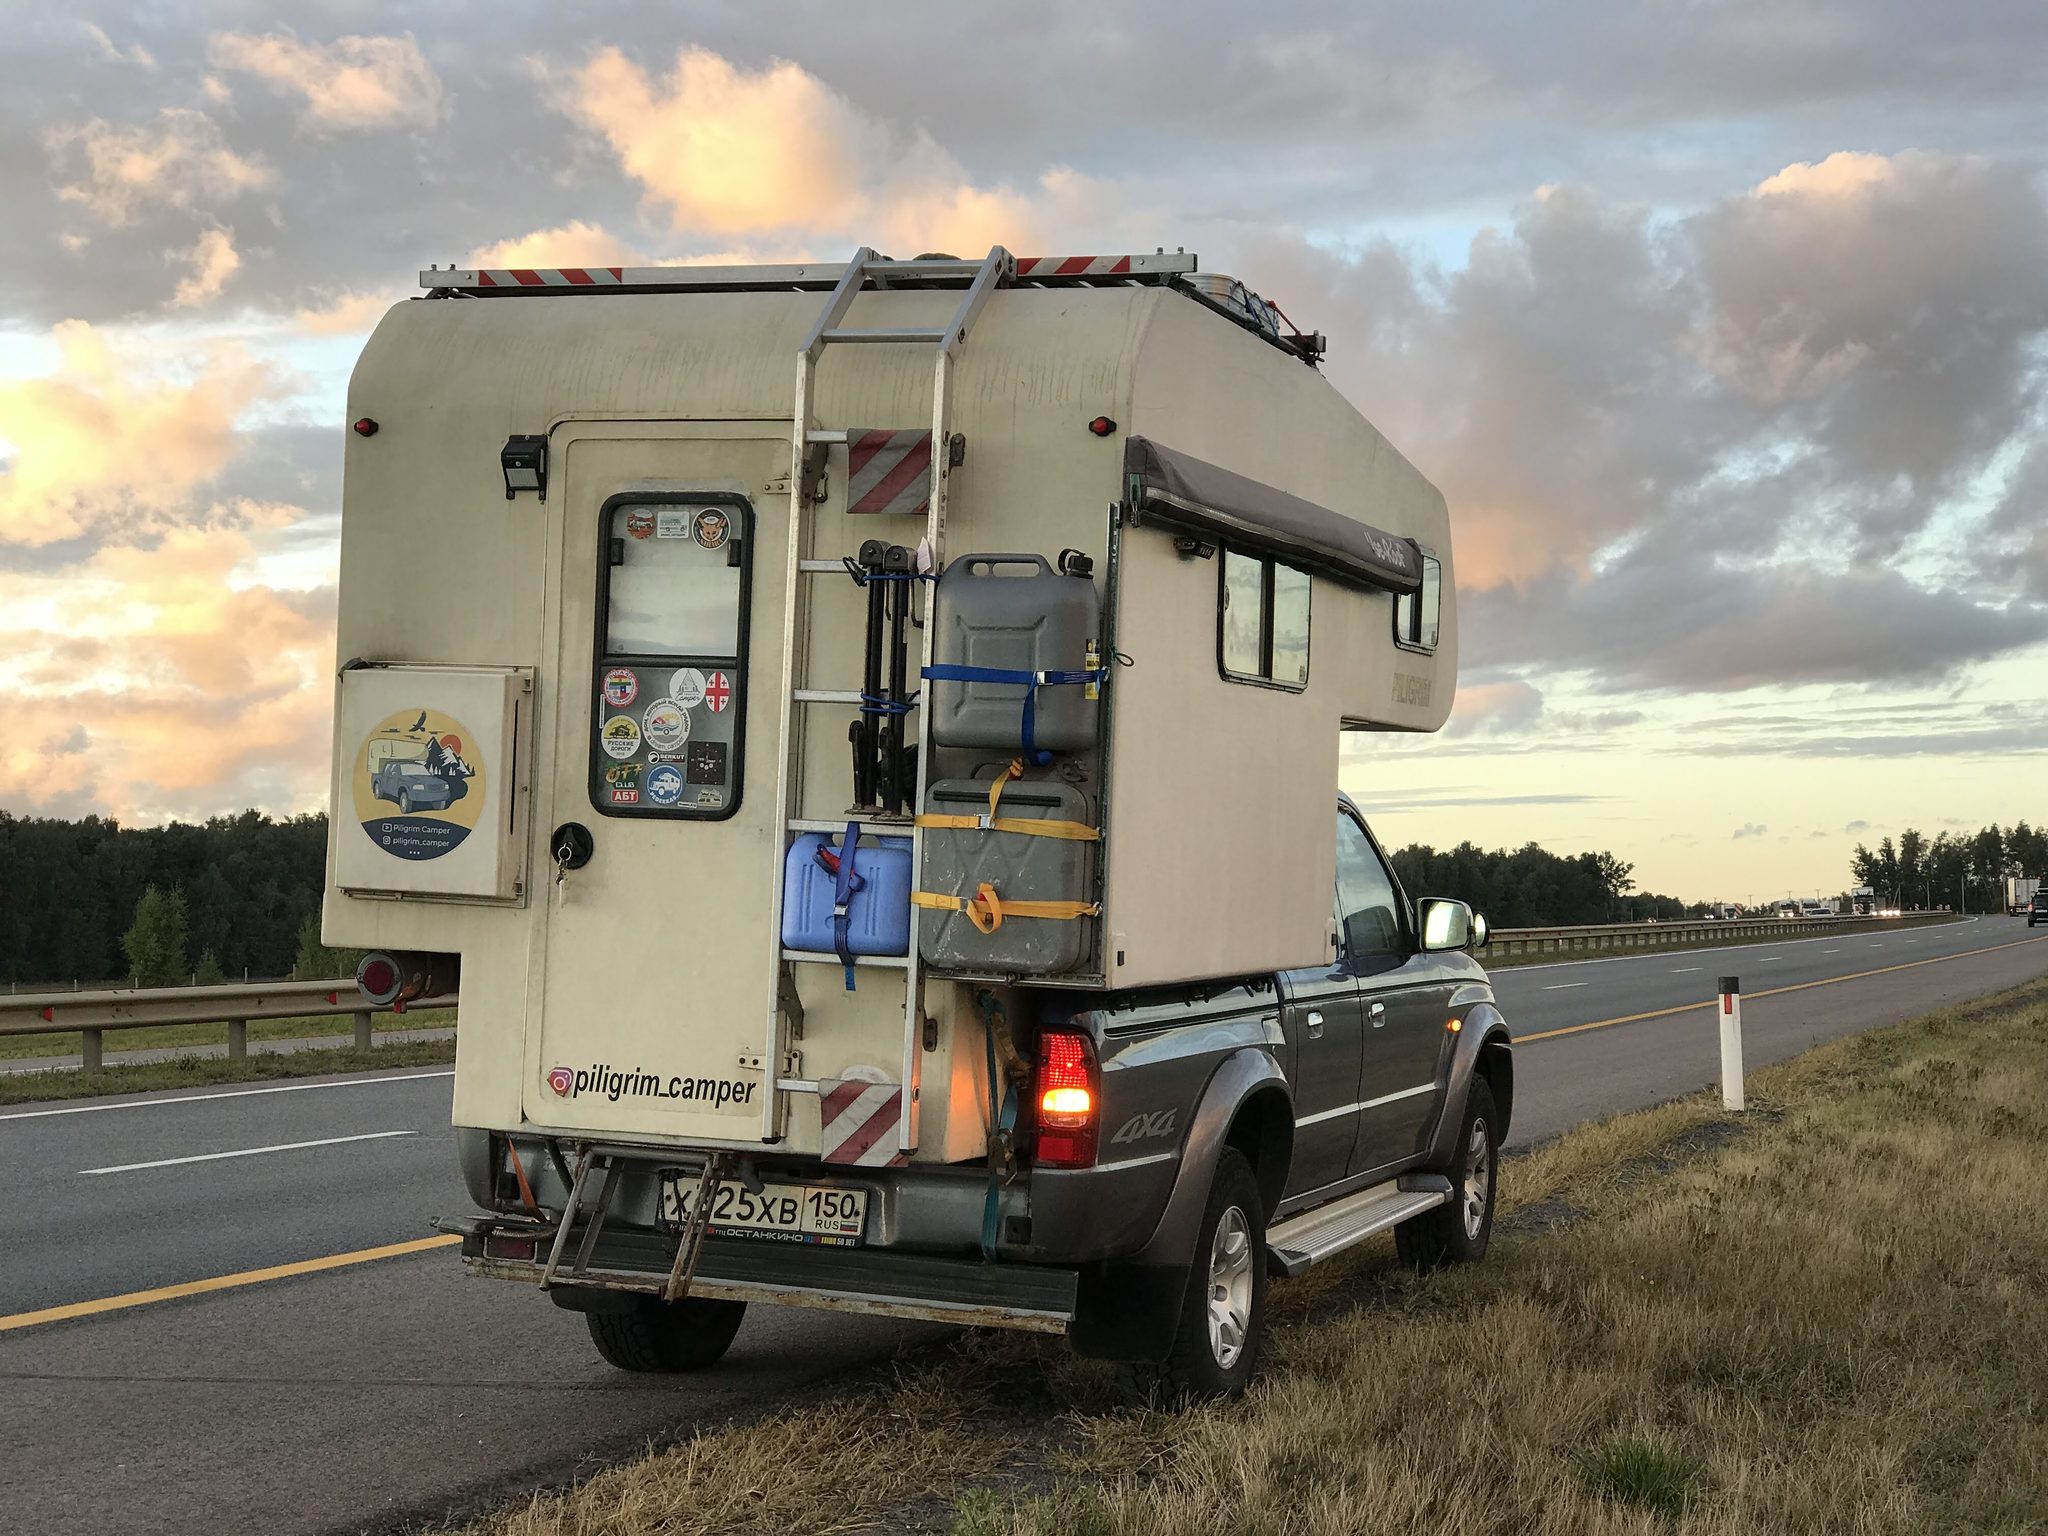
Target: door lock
(571, 846)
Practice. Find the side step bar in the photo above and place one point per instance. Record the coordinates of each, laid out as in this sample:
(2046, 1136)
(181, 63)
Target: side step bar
(1314, 1235)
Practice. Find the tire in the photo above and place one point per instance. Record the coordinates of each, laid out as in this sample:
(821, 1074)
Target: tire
(1458, 1232)
(665, 1337)
(405, 802)
(1222, 1323)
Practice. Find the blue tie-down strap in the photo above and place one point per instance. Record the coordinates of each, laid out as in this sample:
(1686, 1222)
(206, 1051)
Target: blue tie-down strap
(844, 883)
(1030, 682)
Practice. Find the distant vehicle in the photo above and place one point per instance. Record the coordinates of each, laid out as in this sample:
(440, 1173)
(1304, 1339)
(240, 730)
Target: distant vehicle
(2037, 907)
(1724, 911)
(2020, 891)
(1786, 909)
(412, 787)
(1816, 909)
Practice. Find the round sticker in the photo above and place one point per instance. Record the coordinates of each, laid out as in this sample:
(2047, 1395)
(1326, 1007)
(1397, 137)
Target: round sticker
(621, 687)
(621, 737)
(664, 784)
(712, 528)
(667, 725)
(687, 687)
(640, 523)
(718, 692)
(418, 784)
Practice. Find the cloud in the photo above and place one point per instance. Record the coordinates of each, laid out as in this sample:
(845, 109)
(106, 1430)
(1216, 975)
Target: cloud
(775, 154)
(213, 261)
(1495, 708)
(179, 161)
(135, 54)
(1750, 829)
(158, 680)
(116, 439)
(352, 314)
(1856, 826)
(351, 84)
(576, 243)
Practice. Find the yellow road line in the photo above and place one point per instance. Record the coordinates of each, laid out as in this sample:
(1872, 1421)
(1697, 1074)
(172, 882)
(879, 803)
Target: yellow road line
(220, 1283)
(1797, 986)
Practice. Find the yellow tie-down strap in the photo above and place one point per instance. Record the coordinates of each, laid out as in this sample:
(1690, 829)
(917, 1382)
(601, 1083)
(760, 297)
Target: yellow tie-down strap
(1070, 831)
(986, 910)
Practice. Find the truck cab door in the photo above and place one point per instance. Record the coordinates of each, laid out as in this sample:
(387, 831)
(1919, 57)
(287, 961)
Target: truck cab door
(1402, 996)
(1319, 1014)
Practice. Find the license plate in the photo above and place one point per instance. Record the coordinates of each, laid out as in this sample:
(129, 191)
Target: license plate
(787, 1213)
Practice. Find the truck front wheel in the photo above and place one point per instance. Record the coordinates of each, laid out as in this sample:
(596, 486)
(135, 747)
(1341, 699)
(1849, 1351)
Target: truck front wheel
(663, 1336)
(1223, 1313)
(1457, 1233)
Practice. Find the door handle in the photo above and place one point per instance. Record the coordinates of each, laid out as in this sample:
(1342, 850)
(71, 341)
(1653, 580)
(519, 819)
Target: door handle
(1315, 1024)
(1378, 1014)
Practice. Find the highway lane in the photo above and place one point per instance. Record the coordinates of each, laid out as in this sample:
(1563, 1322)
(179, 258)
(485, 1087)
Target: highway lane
(398, 1389)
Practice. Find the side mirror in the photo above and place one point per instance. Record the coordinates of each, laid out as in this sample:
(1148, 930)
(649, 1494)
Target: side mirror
(1448, 924)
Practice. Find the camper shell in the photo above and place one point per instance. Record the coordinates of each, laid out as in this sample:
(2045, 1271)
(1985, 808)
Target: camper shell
(1141, 569)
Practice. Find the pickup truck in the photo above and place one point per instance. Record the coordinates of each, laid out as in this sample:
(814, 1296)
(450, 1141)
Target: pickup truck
(1176, 1148)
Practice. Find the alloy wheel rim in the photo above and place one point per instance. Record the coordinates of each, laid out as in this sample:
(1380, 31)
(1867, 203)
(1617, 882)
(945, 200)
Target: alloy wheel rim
(1230, 1287)
(1478, 1180)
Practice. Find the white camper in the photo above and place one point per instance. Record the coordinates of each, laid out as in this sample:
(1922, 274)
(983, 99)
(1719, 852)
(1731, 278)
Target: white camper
(769, 686)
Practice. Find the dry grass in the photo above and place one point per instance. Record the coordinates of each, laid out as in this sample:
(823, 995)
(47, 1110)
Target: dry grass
(1829, 1320)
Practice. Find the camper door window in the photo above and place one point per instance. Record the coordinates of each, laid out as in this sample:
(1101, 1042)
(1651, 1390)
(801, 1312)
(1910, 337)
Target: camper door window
(675, 588)
(1262, 622)
(1418, 616)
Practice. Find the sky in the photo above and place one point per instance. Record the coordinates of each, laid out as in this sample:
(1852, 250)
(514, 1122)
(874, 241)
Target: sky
(1723, 325)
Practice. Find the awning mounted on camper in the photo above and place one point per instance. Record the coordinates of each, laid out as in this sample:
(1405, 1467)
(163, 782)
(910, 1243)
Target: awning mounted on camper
(1167, 486)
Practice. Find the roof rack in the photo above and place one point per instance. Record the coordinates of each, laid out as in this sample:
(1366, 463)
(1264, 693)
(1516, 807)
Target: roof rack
(1048, 271)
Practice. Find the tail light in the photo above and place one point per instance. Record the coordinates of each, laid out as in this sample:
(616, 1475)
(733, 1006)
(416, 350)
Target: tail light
(1066, 1092)
(399, 976)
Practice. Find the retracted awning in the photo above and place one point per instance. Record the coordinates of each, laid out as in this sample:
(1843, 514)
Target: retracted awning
(1167, 486)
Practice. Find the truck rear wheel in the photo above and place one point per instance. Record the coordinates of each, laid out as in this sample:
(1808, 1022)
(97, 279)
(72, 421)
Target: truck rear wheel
(666, 1336)
(1458, 1232)
(1223, 1312)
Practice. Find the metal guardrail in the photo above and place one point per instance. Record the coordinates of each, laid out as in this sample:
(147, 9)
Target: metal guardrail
(91, 1014)
(1672, 935)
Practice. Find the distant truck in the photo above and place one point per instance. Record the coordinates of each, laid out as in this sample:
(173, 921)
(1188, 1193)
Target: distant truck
(2019, 894)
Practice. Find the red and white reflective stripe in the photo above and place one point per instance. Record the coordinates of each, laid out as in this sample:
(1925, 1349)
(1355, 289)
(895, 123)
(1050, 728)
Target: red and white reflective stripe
(859, 1122)
(551, 277)
(888, 472)
(1073, 266)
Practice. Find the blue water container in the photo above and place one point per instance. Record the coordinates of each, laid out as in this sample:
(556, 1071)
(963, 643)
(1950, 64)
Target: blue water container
(879, 912)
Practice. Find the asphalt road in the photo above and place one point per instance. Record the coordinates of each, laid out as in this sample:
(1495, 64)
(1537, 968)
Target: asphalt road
(395, 1389)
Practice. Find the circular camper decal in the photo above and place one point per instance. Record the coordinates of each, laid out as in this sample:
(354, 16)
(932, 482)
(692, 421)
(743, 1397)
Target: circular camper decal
(418, 785)
(666, 725)
(686, 687)
(621, 736)
(713, 527)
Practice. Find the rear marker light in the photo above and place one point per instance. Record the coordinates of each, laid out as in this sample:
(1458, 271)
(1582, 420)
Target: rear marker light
(1065, 1097)
(1102, 426)
(365, 426)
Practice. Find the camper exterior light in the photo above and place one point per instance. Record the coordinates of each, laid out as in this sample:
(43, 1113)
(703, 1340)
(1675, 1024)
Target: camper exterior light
(525, 462)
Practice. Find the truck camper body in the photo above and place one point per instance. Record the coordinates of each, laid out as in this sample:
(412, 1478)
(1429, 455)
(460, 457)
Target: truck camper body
(612, 605)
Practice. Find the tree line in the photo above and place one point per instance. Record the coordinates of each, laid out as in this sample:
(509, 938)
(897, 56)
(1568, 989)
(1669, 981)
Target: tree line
(1531, 887)
(1951, 869)
(236, 894)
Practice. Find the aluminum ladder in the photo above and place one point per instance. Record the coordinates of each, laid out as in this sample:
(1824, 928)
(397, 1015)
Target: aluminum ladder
(866, 271)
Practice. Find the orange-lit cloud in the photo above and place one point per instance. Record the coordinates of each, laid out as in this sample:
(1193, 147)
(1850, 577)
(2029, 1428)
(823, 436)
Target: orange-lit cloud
(178, 161)
(351, 83)
(576, 243)
(110, 442)
(161, 679)
(213, 261)
(353, 314)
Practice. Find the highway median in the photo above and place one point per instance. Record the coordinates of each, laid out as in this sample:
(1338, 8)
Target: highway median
(1820, 1315)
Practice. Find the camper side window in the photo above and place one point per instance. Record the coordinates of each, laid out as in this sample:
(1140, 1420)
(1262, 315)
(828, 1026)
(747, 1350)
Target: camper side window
(1418, 616)
(1262, 622)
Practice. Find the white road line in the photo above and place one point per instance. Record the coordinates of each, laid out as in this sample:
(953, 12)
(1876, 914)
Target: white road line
(1685, 968)
(1566, 986)
(1770, 957)
(240, 1093)
(1877, 946)
(214, 1157)
(1831, 951)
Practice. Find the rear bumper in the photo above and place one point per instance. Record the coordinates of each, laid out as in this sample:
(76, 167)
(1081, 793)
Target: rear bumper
(629, 1261)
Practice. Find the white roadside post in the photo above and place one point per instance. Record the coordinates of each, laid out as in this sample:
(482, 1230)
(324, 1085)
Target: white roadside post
(1731, 1042)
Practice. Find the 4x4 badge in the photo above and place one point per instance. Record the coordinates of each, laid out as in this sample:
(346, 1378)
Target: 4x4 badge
(1145, 1127)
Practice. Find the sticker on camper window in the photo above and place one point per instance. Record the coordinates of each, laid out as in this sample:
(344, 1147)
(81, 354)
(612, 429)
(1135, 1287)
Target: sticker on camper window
(621, 736)
(640, 523)
(621, 687)
(718, 692)
(713, 527)
(622, 776)
(666, 725)
(687, 687)
(671, 523)
(418, 785)
(664, 784)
